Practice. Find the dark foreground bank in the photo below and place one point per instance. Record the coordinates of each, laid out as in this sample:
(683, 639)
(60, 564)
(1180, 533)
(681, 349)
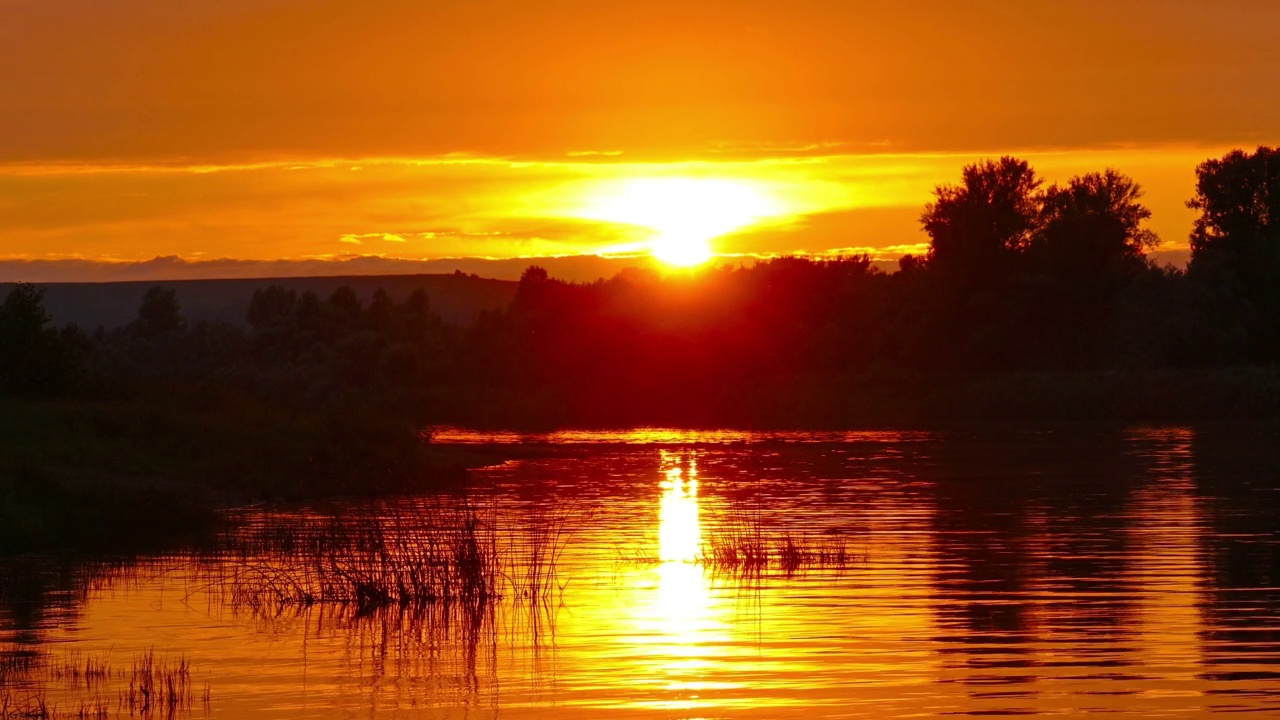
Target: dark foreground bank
(141, 474)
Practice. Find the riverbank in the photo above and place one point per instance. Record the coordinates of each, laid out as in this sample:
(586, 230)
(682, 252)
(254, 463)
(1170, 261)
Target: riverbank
(131, 474)
(161, 466)
(882, 399)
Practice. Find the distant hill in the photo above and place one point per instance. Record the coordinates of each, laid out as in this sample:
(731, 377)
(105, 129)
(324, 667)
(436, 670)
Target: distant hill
(457, 297)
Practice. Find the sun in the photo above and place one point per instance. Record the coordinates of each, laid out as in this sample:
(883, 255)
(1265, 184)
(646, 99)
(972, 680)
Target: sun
(685, 214)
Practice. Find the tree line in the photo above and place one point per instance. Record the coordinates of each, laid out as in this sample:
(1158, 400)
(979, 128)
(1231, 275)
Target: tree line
(1020, 278)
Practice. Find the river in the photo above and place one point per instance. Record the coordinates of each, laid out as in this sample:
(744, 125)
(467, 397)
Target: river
(1105, 570)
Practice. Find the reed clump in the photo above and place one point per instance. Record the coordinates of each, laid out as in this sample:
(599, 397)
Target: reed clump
(743, 543)
(88, 687)
(788, 553)
(388, 555)
(383, 558)
(79, 670)
(746, 547)
(160, 689)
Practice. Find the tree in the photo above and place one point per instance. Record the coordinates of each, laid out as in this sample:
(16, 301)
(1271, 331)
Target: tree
(1090, 244)
(34, 359)
(1238, 198)
(533, 282)
(380, 310)
(977, 228)
(22, 316)
(272, 306)
(1235, 245)
(345, 304)
(159, 315)
(24, 346)
(979, 232)
(1091, 231)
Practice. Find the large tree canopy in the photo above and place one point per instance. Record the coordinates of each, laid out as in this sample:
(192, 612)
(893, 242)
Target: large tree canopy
(1235, 246)
(1091, 229)
(975, 228)
(1238, 197)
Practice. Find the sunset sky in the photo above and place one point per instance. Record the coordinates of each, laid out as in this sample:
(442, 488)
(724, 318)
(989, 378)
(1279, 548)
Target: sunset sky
(312, 131)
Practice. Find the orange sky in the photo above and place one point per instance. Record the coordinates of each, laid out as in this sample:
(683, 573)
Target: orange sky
(304, 129)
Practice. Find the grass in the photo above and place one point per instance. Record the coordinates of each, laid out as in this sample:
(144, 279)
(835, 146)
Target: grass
(84, 687)
(437, 579)
(441, 551)
(740, 543)
(162, 688)
(751, 552)
(368, 561)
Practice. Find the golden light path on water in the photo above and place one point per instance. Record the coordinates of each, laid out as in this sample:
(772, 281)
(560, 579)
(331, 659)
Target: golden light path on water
(679, 527)
(1071, 575)
(698, 642)
(687, 615)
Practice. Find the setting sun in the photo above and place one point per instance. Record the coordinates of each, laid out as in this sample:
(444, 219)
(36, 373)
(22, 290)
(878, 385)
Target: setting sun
(686, 214)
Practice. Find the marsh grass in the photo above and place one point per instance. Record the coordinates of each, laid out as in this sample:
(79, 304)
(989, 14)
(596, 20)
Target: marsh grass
(80, 670)
(77, 686)
(432, 584)
(752, 552)
(160, 688)
(383, 558)
(458, 552)
(741, 543)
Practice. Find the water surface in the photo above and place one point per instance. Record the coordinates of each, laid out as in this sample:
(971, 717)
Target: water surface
(1103, 570)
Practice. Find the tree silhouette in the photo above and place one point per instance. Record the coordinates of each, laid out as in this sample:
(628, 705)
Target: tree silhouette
(34, 359)
(1238, 197)
(1019, 278)
(1235, 246)
(1091, 230)
(977, 228)
(345, 303)
(23, 342)
(22, 316)
(159, 315)
(272, 306)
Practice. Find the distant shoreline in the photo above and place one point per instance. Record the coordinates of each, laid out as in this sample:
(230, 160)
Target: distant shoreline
(902, 400)
(129, 474)
(111, 304)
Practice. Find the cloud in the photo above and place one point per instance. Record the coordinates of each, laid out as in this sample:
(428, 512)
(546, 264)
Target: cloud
(354, 239)
(457, 206)
(876, 230)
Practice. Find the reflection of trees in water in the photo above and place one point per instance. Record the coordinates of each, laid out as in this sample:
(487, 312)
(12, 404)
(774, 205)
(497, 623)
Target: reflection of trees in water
(1164, 534)
(1146, 561)
(1029, 555)
(39, 592)
(982, 582)
(1241, 640)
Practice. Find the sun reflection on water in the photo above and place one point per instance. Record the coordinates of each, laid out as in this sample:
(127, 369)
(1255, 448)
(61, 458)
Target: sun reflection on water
(683, 598)
(679, 528)
(683, 629)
